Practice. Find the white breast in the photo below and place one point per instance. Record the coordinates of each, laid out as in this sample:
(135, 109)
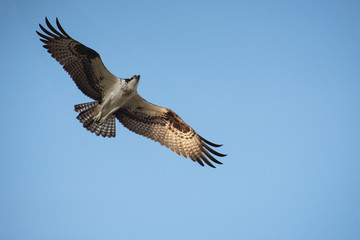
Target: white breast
(114, 98)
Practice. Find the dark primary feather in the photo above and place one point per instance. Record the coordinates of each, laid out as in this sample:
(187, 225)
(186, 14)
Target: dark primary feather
(75, 58)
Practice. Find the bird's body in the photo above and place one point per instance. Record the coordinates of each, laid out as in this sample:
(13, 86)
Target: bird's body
(118, 98)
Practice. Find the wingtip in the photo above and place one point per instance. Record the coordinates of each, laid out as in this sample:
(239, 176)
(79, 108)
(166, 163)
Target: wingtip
(48, 23)
(210, 143)
(201, 163)
(57, 21)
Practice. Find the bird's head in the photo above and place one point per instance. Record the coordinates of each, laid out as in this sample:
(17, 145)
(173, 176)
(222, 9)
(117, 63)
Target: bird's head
(132, 82)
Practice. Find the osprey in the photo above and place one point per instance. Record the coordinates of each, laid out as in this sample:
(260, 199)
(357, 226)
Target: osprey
(118, 98)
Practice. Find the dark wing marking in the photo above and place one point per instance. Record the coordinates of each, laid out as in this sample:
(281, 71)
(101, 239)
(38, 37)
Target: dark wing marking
(83, 64)
(166, 127)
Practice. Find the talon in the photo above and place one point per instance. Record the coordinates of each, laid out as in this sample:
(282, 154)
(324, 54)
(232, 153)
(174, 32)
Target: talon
(97, 117)
(101, 121)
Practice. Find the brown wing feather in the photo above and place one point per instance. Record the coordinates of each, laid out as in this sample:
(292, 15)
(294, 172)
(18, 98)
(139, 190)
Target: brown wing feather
(77, 59)
(166, 127)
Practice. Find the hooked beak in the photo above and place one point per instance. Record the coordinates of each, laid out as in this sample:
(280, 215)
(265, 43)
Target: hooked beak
(135, 77)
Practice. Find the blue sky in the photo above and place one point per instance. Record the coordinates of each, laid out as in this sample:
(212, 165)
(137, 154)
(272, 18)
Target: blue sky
(277, 82)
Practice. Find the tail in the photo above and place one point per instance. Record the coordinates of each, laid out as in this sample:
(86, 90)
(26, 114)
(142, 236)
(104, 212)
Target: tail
(106, 129)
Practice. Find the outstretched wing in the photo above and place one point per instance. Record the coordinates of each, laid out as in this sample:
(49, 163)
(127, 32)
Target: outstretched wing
(166, 127)
(82, 63)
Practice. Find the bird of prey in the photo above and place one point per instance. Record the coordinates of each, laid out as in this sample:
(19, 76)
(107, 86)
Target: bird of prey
(118, 98)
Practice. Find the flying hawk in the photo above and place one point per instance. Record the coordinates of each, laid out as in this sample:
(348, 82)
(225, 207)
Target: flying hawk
(118, 98)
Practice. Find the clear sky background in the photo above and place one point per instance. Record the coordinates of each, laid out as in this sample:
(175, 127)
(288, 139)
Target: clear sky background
(276, 82)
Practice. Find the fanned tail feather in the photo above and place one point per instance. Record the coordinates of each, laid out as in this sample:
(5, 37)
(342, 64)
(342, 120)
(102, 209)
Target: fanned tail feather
(105, 129)
(85, 106)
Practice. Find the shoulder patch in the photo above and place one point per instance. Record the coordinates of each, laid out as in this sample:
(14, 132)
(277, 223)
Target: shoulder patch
(83, 50)
(177, 122)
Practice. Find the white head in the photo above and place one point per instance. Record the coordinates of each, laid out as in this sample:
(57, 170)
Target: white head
(130, 84)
